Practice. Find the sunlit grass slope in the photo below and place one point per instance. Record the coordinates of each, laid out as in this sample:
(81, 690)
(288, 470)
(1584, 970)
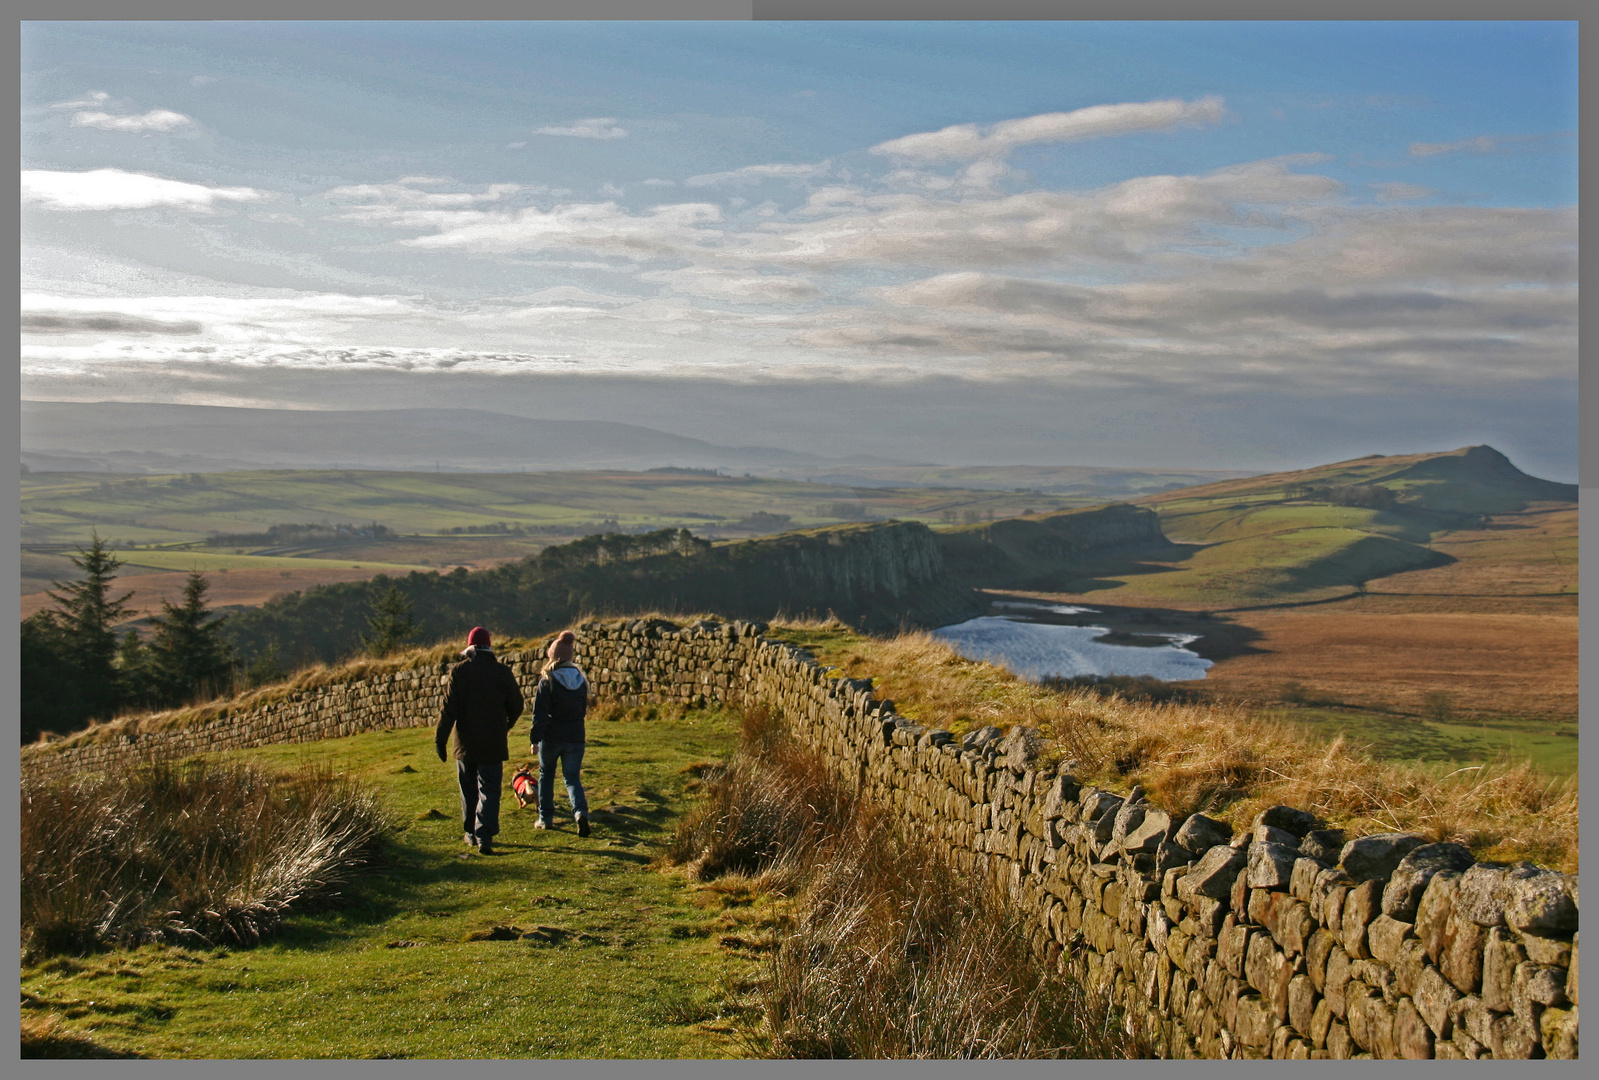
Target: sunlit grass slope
(617, 960)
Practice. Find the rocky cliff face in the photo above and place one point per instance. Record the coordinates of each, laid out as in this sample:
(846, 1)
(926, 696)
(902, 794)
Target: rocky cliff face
(1017, 550)
(876, 575)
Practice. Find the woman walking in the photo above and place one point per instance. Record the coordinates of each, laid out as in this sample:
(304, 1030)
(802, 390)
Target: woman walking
(559, 705)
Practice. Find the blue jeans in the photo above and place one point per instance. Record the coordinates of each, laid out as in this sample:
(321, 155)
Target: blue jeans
(480, 797)
(570, 755)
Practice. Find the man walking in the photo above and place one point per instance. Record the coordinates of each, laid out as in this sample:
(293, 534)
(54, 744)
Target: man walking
(482, 705)
(559, 706)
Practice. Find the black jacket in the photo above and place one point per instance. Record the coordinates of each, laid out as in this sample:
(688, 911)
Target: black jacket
(482, 705)
(559, 705)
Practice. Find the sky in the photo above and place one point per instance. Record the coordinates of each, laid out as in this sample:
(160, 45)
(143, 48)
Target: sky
(1233, 245)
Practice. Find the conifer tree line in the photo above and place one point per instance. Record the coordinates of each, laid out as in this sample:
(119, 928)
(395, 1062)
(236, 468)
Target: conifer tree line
(76, 668)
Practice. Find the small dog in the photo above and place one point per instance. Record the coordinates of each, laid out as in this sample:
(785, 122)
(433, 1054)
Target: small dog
(525, 785)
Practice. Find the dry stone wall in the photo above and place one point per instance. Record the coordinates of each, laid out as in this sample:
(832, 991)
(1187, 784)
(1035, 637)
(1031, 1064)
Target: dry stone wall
(1288, 941)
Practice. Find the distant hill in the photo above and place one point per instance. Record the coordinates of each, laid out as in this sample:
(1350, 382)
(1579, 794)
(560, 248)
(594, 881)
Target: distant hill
(128, 437)
(1319, 533)
(135, 437)
(1471, 480)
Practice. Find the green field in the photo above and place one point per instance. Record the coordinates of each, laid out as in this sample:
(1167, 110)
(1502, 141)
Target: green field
(63, 507)
(1549, 744)
(636, 968)
(1295, 564)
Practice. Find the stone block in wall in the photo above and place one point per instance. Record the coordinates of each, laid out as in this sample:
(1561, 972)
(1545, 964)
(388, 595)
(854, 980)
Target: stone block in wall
(1270, 865)
(1538, 984)
(1501, 955)
(1408, 963)
(1571, 971)
(1302, 881)
(1485, 889)
(1360, 907)
(1433, 912)
(1302, 1002)
(1321, 894)
(1461, 956)
(1096, 804)
(1514, 1036)
(1254, 1022)
(1321, 1021)
(1204, 917)
(1232, 945)
(1335, 986)
(1287, 818)
(1412, 1037)
(1558, 1030)
(1333, 903)
(1384, 936)
(1543, 902)
(1149, 834)
(1402, 896)
(1376, 857)
(1542, 949)
(1200, 833)
(1371, 1022)
(1435, 998)
(1291, 925)
(1317, 950)
(1213, 875)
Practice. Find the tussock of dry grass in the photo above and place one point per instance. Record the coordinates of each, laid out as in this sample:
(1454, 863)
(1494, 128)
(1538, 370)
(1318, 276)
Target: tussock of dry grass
(203, 852)
(1226, 760)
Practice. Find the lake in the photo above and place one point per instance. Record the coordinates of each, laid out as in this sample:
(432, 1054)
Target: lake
(1035, 650)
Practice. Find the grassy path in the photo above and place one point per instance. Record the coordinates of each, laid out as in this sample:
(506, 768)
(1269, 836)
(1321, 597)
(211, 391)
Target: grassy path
(626, 962)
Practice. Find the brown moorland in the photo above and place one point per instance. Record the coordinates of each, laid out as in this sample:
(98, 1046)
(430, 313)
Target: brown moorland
(228, 588)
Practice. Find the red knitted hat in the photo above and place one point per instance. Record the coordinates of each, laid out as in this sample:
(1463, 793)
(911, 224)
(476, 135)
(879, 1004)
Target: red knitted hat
(478, 637)
(563, 647)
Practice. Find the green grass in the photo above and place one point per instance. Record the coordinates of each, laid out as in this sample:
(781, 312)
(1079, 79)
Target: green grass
(1551, 745)
(637, 973)
(1297, 564)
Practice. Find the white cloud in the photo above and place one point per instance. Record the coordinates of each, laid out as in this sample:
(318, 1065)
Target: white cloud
(515, 145)
(1482, 144)
(662, 230)
(93, 97)
(1129, 222)
(115, 189)
(741, 288)
(656, 181)
(407, 204)
(961, 142)
(611, 189)
(202, 80)
(154, 120)
(755, 174)
(597, 127)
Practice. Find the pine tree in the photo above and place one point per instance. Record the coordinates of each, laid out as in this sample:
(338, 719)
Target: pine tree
(52, 690)
(188, 654)
(390, 625)
(136, 674)
(84, 625)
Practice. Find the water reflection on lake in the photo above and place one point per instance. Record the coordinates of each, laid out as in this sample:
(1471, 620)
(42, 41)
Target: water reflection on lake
(1037, 650)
